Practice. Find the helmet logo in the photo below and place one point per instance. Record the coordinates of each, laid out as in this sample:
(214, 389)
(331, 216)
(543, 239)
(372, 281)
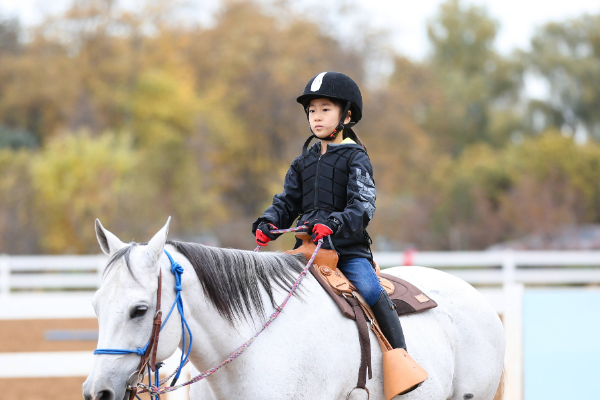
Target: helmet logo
(316, 84)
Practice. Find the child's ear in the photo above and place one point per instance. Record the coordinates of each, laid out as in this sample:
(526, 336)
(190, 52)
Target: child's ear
(348, 117)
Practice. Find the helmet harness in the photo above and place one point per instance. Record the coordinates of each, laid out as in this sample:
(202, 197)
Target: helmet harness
(335, 86)
(340, 127)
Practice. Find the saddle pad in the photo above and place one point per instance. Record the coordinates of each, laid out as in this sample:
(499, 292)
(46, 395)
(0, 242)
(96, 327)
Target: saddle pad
(407, 297)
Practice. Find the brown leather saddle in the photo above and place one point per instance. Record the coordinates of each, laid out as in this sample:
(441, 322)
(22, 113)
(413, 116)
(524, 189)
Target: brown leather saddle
(401, 373)
(407, 298)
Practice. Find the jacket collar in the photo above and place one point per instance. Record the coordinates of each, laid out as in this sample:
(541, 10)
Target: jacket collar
(346, 143)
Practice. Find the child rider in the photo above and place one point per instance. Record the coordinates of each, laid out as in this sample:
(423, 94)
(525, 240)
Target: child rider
(330, 188)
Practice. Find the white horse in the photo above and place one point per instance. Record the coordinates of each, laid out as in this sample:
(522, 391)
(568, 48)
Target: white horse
(311, 351)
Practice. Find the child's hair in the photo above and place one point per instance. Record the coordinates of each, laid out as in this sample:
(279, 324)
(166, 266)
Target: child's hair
(348, 132)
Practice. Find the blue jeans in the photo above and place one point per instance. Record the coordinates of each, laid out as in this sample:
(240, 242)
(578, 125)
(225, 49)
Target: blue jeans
(362, 275)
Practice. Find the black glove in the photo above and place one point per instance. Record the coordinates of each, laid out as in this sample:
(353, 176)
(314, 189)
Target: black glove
(320, 229)
(263, 233)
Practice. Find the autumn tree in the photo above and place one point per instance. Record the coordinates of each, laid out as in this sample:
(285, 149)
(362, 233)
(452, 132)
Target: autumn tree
(211, 110)
(249, 69)
(403, 153)
(132, 115)
(541, 186)
(567, 56)
(480, 86)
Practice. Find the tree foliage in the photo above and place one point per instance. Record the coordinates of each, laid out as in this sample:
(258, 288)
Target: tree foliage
(479, 86)
(134, 115)
(76, 178)
(538, 187)
(567, 55)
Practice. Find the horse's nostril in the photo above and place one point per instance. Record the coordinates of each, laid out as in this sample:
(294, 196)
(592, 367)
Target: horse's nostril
(105, 395)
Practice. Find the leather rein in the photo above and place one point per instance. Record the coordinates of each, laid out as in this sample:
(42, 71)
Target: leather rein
(149, 355)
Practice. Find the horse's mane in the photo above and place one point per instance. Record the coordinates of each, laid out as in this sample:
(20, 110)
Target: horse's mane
(230, 277)
(122, 253)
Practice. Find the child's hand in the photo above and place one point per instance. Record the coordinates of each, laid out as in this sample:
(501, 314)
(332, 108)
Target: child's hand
(321, 229)
(263, 233)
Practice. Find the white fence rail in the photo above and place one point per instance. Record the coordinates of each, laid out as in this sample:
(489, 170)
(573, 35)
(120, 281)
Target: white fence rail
(50, 272)
(26, 273)
(503, 267)
(501, 275)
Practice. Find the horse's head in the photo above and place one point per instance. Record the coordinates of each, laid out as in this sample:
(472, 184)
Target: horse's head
(125, 305)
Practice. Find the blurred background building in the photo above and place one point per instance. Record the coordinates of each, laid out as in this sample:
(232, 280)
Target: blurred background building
(481, 119)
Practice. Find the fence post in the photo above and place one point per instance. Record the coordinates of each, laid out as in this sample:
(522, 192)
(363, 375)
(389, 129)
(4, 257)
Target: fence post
(509, 268)
(4, 275)
(513, 328)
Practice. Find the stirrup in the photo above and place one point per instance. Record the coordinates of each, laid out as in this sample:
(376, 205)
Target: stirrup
(401, 374)
(356, 387)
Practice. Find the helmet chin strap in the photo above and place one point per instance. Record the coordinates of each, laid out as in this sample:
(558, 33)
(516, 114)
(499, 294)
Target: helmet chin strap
(340, 127)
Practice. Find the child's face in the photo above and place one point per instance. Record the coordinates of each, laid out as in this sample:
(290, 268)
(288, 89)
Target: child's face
(324, 116)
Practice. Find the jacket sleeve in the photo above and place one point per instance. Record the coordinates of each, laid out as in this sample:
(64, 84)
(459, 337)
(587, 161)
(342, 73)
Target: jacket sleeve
(361, 197)
(286, 205)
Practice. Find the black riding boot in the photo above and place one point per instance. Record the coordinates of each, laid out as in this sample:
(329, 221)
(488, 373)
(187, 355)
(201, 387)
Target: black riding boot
(385, 314)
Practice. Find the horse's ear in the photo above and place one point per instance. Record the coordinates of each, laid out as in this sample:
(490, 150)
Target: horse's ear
(156, 245)
(109, 243)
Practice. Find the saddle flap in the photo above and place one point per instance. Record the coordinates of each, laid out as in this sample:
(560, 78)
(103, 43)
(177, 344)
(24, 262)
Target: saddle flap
(336, 279)
(325, 264)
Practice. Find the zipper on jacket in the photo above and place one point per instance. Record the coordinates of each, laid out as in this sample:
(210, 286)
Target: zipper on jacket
(317, 180)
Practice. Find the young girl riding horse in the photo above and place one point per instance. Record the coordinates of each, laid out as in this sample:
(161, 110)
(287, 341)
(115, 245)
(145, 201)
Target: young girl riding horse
(330, 188)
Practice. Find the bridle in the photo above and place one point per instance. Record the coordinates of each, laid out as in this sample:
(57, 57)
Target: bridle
(148, 352)
(152, 346)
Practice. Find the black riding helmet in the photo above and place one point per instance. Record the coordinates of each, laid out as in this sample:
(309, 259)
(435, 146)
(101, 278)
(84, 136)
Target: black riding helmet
(334, 85)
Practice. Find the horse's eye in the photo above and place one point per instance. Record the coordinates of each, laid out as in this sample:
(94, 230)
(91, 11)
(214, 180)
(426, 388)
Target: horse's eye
(138, 311)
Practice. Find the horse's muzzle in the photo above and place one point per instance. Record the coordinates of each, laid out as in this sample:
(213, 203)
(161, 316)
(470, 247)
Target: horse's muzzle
(101, 395)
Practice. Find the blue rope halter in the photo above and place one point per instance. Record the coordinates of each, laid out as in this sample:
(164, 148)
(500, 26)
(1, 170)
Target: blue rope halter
(177, 270)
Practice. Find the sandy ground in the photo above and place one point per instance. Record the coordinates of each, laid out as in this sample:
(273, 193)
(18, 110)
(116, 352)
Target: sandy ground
(28, 335)
(42, 389)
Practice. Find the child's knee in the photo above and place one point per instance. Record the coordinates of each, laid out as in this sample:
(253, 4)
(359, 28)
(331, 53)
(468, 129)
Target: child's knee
(372, 294)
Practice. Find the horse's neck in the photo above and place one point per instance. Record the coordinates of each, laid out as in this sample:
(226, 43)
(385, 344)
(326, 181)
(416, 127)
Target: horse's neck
(215, 339)
(211, 332)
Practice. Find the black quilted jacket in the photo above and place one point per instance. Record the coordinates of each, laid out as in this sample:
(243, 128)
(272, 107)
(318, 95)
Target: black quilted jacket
(338, 184)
